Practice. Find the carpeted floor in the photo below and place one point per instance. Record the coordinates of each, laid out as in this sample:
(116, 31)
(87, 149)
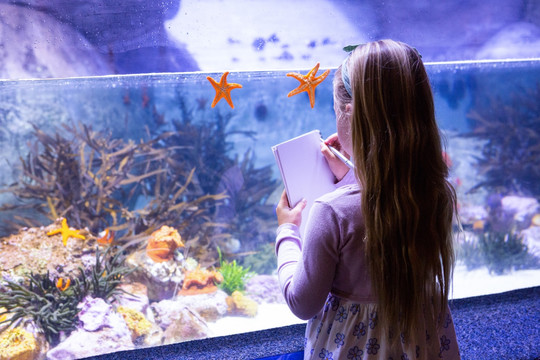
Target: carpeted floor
(500, 326)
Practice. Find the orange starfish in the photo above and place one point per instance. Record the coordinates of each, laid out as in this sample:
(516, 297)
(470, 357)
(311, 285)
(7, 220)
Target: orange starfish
(66, 232)
(308, 83)
(223, 89)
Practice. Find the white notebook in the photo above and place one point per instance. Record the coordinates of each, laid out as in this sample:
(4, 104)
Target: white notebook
(304, 170)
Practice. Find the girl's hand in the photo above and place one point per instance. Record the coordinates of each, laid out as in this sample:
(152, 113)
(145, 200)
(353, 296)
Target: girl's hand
(287, 215)
(337, 166)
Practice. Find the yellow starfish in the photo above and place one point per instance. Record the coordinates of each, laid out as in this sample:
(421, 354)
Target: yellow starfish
(66, 232)
(308, 83)
(223, 89)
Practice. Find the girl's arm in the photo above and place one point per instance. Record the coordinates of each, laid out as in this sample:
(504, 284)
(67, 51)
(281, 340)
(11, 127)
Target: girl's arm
(306, 268)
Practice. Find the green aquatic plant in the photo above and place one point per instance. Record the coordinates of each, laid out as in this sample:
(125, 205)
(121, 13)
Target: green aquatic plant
(510, 129)
(52, 309)
(234, 275)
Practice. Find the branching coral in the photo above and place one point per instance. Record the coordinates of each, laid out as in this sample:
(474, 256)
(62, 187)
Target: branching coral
(97, 181)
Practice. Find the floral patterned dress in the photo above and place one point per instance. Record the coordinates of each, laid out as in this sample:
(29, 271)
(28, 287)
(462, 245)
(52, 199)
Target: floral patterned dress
(349, 330)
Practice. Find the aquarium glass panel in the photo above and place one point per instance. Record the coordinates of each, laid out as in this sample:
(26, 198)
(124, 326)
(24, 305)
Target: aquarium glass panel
(131, 201)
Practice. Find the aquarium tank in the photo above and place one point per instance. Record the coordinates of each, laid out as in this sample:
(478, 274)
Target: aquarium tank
(137, 198)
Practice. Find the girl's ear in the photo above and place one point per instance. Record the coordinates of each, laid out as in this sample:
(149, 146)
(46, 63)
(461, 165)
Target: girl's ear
(348, 109)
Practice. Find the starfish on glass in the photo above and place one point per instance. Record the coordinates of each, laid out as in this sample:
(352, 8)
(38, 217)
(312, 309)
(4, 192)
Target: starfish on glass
(66, 232)
(223, 89)
(308, 83)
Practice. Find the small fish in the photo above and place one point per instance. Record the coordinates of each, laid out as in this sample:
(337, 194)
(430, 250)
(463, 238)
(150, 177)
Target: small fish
(479, 225)
(61, 285)
(107, 238)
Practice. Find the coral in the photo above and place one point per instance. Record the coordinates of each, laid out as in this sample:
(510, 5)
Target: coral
(163, 243)
(238, 304)
(200, 281)
(17, 344)
(234, 275)
(136, 322)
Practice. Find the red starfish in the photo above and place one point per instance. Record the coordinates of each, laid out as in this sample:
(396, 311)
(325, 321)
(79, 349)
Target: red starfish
(223, 89)
(308, 83)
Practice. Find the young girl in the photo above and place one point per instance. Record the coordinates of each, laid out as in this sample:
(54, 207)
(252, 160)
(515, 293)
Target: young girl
(372, 273)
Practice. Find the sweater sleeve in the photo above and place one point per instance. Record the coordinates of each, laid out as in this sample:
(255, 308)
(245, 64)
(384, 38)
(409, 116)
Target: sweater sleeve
(306, 268)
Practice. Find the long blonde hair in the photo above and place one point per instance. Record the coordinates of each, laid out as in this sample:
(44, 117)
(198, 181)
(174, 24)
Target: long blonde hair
(407, 203)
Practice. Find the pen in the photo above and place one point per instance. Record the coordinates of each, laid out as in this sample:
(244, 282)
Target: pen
(340, 156)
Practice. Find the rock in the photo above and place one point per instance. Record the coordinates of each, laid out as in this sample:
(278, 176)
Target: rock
(162, 279)
(32, 250)
(264, 289)
(179, 323)
(101, 330)
(96, 314)
(209, 306)
(83, 344)
(134, 296)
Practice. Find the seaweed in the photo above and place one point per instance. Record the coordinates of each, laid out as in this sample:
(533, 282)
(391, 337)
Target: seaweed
(511, 131)
(234, 275)
(245, 212)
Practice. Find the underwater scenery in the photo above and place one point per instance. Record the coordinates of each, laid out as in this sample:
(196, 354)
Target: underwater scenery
(138, 210)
